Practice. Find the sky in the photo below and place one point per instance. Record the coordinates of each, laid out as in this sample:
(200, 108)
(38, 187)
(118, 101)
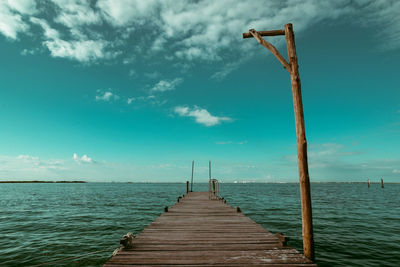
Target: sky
(133, 91)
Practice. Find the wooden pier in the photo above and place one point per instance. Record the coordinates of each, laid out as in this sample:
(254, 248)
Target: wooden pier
(198, 231)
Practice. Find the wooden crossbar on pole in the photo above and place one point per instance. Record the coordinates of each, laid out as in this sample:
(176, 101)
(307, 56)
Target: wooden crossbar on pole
(265, 33)
(292, 68)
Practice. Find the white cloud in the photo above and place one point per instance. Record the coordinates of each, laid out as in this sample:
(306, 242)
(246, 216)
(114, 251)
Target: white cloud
(385, 15)
(130, 100)
(83, 51)
(184, 30)
(125, 12)
(28, 157)
(230, 142)
(83, 159)
(11, 23)
(26, 52)
(28, 165)
(74, 13)
(166, 85)
(23, 6)
(396, 171)
(49, 33)
(106, 96)
(200, 115)
(80, 50)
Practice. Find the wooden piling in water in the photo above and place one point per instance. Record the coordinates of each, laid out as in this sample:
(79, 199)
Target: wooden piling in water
(187, 187)
(382, 185)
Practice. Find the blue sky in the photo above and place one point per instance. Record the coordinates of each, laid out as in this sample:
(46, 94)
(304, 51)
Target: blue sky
(135, 90)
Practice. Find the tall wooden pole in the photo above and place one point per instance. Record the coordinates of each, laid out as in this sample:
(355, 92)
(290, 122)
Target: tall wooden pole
(191, 183)
(293, 68)
(304, 179)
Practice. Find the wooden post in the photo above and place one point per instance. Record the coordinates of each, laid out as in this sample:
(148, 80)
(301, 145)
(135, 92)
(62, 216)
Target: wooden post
(191, 184)
(369, 183)
(292, 68)
(187, 187)
(213, 187)
(304, 179)
(382, 185)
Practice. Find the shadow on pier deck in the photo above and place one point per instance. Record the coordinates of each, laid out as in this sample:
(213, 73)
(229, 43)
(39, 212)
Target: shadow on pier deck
(198, 231)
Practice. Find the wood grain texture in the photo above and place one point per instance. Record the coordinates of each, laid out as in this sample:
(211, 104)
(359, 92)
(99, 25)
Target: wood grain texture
(265, 33)
(198, 231)
(271, 48)
(304, 179)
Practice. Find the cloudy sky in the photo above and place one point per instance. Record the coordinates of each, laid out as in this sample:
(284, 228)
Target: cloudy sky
(124, 90)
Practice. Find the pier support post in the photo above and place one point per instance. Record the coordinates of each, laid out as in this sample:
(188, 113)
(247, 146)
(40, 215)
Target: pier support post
(187, 187)
(293, 69)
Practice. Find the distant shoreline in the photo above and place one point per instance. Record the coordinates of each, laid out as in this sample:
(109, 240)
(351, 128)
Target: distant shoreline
(45, 182)
(113, 182)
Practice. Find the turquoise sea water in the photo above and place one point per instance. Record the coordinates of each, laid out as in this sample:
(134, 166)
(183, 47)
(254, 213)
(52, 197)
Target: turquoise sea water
(353, 225)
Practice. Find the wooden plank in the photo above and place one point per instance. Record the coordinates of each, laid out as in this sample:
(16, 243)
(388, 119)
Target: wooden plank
(216, 264)
(213, 246)
(230, 264)
(216, 235)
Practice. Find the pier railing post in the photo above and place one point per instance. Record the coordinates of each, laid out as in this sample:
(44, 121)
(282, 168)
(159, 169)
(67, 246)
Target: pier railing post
(213, 187)
(187, 187)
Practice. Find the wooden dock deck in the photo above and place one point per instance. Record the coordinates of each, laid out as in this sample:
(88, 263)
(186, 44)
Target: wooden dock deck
(198, 231)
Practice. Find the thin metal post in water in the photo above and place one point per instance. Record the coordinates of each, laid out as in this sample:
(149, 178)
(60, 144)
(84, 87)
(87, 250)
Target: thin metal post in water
(191, 184)
(209, 176)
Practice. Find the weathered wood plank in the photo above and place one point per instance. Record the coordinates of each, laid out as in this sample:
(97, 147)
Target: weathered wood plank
(216, 264)
(214, 247)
